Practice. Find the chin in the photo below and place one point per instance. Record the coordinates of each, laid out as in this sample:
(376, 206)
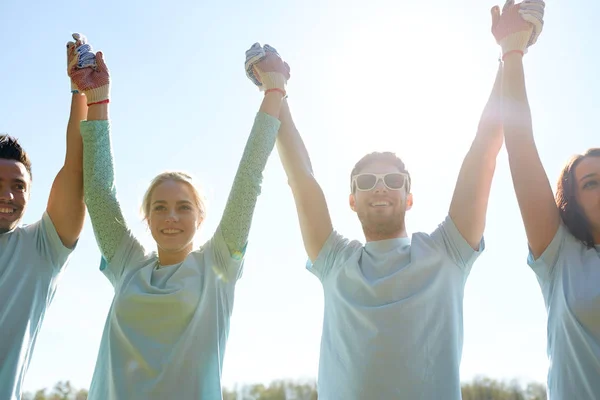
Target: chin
(175, 247)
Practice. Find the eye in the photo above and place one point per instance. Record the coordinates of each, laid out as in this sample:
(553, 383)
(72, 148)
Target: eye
(20, 187)
(159, 208)
(186, 207)
(590, 184)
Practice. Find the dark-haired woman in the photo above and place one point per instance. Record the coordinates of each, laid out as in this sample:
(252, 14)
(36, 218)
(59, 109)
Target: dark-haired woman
(564, 244)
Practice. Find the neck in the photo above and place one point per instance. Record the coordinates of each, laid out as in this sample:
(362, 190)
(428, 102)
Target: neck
(170, 257)
(376, 236)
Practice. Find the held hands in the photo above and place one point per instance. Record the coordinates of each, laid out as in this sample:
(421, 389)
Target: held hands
(266, 69)
(519, 25)
(87, 71)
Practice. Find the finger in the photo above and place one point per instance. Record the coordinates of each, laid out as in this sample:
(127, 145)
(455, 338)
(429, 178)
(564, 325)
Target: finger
(270, 49)
(84, 48)
(495, 15)
(507, 5)
(256, 74)
(86, 60)
(100, 64)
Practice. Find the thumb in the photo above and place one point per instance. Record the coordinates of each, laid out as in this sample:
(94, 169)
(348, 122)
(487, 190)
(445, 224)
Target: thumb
(495, 15)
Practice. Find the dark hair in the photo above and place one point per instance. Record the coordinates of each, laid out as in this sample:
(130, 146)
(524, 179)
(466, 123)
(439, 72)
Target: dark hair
(387, 157)
(570, 210)
(10, 149)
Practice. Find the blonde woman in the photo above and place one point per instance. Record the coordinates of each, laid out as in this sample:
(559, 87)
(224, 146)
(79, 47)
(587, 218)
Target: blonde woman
(167, 328)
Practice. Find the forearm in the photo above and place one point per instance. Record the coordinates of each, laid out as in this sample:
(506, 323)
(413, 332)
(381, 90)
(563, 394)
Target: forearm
(99, 186)
(239, 210)
(74, 153)
(292, 151)
(532, 187)
(471, 195)
(516, 112)
(65, 203)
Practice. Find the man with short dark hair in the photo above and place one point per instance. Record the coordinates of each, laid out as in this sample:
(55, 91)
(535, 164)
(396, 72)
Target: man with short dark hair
(32, 256)
(392, 324)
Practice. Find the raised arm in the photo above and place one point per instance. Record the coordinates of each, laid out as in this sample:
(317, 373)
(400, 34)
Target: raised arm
(311, 206)
(470, 200)
(315, 222)
(98, 169)
(534, 192)
(65, 204)
(239, 210)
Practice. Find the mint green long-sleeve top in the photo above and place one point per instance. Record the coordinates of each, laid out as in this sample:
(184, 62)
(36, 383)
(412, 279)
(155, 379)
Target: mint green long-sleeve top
(166, 331)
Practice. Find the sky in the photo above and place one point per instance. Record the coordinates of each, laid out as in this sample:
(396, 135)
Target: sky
(408, 77)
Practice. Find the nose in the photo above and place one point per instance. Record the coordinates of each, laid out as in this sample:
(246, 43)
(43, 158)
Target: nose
(380, 187)
(6, 194)
(172, 216)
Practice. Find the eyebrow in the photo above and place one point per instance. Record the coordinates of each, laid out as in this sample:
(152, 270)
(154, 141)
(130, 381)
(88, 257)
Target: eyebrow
(178, 202)
(588, 176)
(17, 180)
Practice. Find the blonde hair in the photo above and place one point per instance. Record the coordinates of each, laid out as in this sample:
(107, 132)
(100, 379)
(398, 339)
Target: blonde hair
(177, 177)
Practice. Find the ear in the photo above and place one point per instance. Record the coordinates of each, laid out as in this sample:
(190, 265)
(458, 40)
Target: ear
(352, 202)
(409, 201)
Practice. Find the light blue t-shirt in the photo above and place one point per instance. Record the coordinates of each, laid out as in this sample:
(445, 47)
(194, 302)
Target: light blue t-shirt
(569, 275)
(31, 259)
(167, 327)
(393, 321)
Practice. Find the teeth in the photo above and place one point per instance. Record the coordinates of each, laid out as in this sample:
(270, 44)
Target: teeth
(380, 203)
(7, 210)
(171, 230)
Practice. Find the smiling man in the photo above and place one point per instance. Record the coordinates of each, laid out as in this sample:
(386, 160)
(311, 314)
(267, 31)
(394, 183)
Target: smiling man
(393, 324)
(32, 256)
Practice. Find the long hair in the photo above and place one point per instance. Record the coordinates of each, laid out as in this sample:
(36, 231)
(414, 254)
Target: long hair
(570, 210)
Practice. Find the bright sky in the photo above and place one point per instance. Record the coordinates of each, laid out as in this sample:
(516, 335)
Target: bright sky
(410, 77)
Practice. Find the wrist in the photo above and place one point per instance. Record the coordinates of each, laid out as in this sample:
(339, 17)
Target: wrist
(98, 112)
(276, 92)
(512, 54)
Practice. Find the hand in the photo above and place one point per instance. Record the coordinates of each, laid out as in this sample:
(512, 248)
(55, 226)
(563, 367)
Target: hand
(533, 11)
(266, 69)
(519, 26)
(90, 74)
(78, 52)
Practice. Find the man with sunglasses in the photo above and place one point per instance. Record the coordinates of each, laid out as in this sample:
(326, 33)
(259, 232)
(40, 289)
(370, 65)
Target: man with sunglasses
(393, 306)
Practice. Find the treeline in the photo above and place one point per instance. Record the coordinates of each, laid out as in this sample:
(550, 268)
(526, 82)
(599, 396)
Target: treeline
(478, 389)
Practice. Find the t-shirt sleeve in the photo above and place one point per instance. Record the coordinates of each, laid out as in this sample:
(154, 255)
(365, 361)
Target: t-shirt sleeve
(226, 266)
(47, 242)
(333, 253)
(544, 265)
(129, 252)
(447, 236)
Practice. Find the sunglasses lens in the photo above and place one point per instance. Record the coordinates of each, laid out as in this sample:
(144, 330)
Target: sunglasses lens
(365, 182)
(395, 181)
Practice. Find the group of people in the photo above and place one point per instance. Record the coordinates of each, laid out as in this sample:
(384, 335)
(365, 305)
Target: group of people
(393, 310)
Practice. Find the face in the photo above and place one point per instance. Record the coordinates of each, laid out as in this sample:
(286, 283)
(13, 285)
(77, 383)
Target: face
(587, 176)
(174, 217)
(14, 193)
(381, 210)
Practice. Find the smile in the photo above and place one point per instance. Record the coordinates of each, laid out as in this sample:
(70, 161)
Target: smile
(380, 204)
(6, 210)
(170, 231)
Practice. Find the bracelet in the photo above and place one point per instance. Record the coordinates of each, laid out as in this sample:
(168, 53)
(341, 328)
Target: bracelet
(512, 51)
(276, 90)
(99, 102)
